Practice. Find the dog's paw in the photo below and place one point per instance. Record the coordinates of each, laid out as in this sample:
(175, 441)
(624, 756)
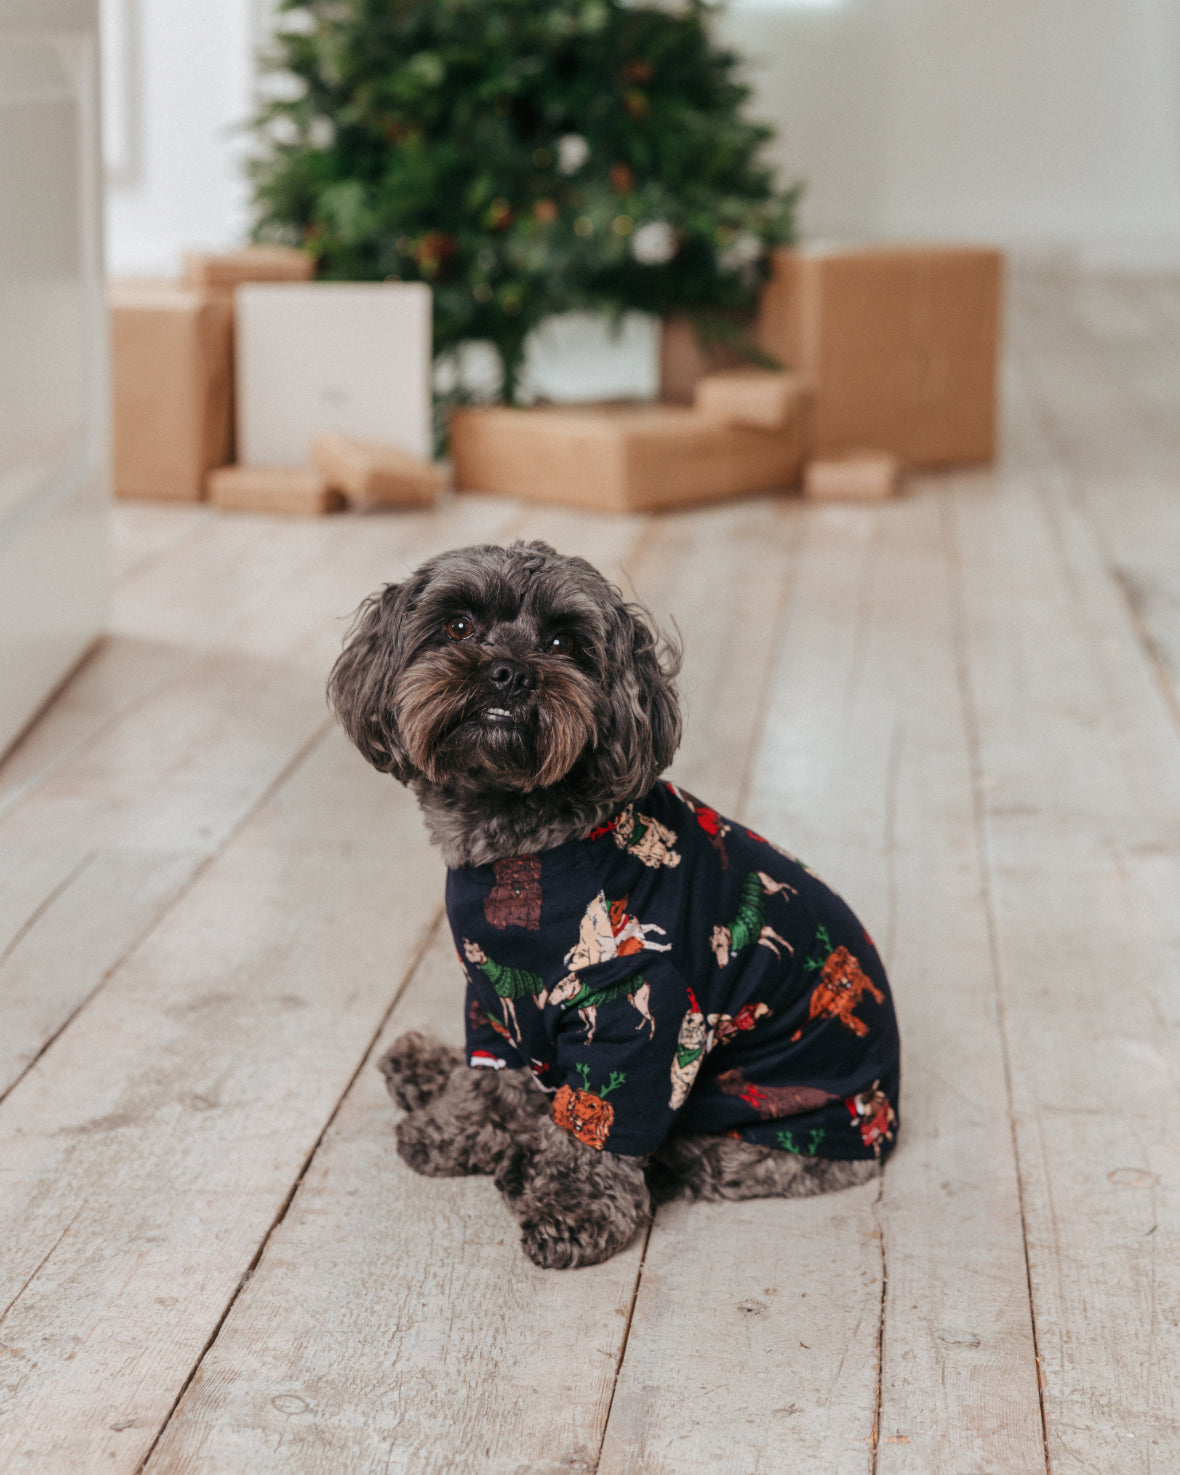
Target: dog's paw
(558, 1234)
(553, 1243)
(417, 1069)
(426, 1145)
(515, 1170)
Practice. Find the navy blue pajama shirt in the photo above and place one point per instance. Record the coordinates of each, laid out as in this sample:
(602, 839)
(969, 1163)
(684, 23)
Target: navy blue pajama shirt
(675, 972)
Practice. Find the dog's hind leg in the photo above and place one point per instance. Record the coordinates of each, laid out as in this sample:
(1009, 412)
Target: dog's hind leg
(707, 1167)
(417, 1069)
(473, 1124)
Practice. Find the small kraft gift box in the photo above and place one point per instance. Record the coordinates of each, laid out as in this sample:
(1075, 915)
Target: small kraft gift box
(899, 343)
(171, 390)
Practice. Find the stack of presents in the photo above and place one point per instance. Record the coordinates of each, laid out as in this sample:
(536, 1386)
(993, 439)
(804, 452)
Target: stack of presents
(888, 356)
(251, 386)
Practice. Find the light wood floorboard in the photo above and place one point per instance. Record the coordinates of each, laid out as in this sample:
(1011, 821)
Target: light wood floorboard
(961, 708)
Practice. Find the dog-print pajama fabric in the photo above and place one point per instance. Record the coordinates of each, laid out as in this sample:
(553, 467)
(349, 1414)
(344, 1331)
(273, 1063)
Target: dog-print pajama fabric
(675, 972)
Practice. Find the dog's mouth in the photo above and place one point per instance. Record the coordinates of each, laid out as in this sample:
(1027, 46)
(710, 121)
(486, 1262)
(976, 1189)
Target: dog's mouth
(521, 739)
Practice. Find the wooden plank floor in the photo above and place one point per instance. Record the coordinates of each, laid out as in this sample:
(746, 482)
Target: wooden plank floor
(963, 708)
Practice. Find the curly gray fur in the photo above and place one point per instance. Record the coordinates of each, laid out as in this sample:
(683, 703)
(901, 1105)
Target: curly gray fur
(575, 1205)
(469, 1124)
(417, 1069)
(704, 1167)
(409, 697)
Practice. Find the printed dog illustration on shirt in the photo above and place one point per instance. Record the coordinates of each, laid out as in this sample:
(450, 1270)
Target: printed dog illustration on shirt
(773, 1101)
(699, 1034)
(585, 998)
(709, 820)
(643, 837)
(607, 931)
(842, 984)
(692, 1045)
(510, 983)
(750, 924)
(515, 899)
(873, 1116)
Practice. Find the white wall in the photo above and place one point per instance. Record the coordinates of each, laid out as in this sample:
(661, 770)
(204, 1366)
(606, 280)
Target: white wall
(1048, 126)
(190, 71)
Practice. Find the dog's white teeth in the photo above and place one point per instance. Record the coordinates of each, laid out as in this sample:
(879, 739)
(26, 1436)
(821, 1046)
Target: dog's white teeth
(498, 712)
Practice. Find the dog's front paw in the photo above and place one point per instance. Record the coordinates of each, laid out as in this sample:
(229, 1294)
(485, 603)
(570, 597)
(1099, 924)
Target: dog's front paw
(552, 1242)
(417, 1069)
(576, 1206)
(515, 1170)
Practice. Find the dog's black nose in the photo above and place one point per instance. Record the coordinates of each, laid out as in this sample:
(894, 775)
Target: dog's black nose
(513, 678)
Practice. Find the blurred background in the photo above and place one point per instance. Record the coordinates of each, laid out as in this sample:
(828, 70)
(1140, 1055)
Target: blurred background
(1050, 129)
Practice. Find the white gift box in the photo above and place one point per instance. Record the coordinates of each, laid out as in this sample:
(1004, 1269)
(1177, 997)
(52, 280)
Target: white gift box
(585, 356)
(571, 357)
(353, 357)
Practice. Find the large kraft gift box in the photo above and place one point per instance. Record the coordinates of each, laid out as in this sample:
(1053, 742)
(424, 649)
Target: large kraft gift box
(621, 457)
(225, 270)
(899, 343)
(172, 398)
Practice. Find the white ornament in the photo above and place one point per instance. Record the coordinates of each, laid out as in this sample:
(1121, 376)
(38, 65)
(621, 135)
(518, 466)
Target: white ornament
(741, 255)
(572, 152)
(321, 133)
(653, 243)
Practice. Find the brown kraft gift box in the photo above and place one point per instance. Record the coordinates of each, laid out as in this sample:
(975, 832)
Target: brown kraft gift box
(291, 489)
(900, 343)
(683, 359)
(225, 269)
(171, 388)
(618, 457)
(374, 473)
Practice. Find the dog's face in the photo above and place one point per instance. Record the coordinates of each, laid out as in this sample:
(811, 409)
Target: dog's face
(511, 668)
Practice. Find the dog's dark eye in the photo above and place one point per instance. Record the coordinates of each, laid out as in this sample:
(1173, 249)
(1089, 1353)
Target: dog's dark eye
(460, 628)
(561, 645)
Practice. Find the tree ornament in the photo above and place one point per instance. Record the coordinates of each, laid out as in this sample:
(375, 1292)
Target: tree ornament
(654, 243)
(572, 152)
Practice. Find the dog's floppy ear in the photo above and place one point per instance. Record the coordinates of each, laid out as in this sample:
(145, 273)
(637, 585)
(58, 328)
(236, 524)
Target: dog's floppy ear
(362, 682)
(641, 731)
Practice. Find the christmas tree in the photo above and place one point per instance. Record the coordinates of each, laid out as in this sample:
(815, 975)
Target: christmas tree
(523, 158)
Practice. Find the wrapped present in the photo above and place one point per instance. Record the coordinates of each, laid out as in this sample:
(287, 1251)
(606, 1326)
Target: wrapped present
(758, 397)
(225, 269)
(684, 360)
(374, 473)
(352, 357)
(900, 344)
(293, 490)
(857, 476)
(171, 388)
(620, 457)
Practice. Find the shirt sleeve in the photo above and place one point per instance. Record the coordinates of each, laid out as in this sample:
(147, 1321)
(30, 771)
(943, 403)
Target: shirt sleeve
(629, 1046)
(488, 1044)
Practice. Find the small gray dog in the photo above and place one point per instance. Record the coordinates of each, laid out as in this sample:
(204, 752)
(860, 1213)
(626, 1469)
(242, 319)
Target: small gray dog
(743, 1029)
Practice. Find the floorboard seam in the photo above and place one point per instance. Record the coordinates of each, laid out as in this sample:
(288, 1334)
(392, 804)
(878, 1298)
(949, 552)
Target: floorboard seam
(623, 1347)
(969, 712)
(879, 1388)
(22, 736)
(284, 1208)
(43, 906)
